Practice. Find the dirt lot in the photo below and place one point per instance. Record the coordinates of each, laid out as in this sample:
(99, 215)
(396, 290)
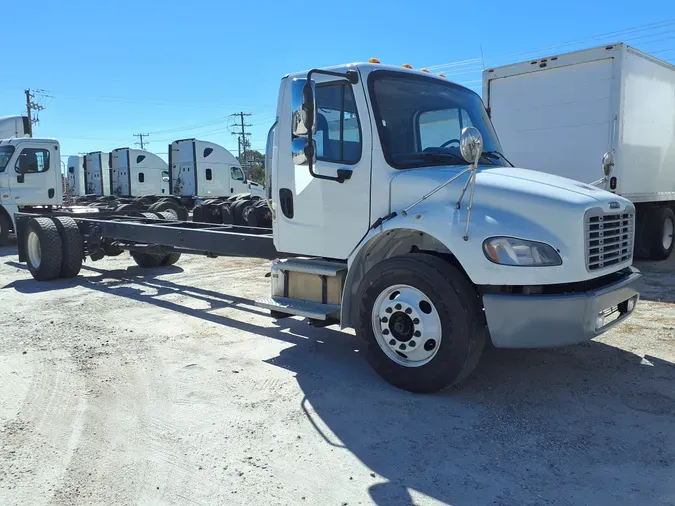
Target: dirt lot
(169, 386)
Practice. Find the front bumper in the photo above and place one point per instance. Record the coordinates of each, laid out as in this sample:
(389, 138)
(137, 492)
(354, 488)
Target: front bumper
(545, 321)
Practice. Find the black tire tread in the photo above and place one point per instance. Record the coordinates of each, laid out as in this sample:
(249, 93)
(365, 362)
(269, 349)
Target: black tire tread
(73, 246)
(428, 269)
(4, 229)
(51, 249)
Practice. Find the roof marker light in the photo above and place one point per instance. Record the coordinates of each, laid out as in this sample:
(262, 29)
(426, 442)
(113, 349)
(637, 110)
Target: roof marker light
(424, 70)
(373, 60)
(441, 74)
(406, 66)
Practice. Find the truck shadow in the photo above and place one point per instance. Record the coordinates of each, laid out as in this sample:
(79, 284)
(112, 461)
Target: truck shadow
(10, 248)
(658, 280)
(585, 424)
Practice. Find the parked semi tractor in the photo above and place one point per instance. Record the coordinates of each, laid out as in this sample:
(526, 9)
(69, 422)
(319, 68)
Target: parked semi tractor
(412, 228)
(560, 114)
(211, 177)
(137, 172)
(12, 127)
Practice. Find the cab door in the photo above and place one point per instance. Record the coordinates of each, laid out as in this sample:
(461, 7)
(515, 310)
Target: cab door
(36, 178)
(316, 216)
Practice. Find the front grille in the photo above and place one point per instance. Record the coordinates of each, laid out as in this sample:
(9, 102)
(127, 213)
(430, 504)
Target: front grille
(609, 239)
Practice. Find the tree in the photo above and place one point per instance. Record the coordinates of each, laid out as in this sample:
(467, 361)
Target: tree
(253, 163)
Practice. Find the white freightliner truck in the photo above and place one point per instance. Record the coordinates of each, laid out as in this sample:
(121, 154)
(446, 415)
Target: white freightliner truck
(12, 127)
(561, 113)
(410, 227)
(210, 177)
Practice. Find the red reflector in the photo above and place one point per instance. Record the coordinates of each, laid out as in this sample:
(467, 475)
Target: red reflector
(612, 183)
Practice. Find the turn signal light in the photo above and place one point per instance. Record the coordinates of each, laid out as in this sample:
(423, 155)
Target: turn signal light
(406, 66)
(373, 60)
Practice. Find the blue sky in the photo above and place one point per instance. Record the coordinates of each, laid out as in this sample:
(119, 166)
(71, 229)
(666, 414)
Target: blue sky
(112, 69)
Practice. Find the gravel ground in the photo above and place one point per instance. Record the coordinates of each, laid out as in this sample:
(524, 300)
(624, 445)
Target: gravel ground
(129, 386)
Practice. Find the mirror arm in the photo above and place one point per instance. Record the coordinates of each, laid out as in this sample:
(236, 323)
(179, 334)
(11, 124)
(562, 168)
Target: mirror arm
(353, 77)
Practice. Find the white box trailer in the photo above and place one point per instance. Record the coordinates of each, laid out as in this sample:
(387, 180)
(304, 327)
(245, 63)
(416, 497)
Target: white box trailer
(562, 113)
(137, 172)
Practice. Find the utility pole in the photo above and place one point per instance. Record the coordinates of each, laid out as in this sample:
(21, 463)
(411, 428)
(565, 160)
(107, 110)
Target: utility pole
(243, 141)
(32, 105)
(140, 137)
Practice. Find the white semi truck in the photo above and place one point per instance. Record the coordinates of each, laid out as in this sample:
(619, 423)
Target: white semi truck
(411, 228)
(210, 176)
(12, 127)
(561, 113)
(137, 172)
(76, 182)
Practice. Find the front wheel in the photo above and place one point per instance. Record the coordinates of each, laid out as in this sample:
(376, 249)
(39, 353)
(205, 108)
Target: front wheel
(422, 322)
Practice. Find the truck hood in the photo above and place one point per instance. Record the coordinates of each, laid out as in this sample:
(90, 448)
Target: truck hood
(495, 184)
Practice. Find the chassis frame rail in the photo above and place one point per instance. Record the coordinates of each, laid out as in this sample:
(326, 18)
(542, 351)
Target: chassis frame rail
(135, 232)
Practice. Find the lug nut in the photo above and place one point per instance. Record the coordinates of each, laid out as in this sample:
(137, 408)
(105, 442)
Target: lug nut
(408, 311)
(388, 310)
(417, 333)
(412, 344)
(392, 342)
(416, 321)
(402, 347)
(398, 307)
(385, 332)
(384, 319)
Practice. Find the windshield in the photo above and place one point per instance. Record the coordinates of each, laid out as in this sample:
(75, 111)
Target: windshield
(5, 155)
(420, 120)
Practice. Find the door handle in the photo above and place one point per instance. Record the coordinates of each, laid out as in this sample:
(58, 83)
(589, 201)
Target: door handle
(50, 193)
(231, 190)
(286, 201)
(20, 178)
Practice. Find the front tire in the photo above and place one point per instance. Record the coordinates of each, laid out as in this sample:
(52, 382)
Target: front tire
(422, 321)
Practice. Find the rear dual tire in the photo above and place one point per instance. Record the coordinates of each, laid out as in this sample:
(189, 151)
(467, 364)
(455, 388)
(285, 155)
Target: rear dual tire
(54, 248)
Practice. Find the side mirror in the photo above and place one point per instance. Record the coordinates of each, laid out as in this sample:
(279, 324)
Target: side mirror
(607, 163)
(303, 152)
(471, 144)
(303, 107)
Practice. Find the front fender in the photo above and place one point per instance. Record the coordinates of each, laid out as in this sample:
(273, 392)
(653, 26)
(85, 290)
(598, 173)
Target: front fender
(440, 228)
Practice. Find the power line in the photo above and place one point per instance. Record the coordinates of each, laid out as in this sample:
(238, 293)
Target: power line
(140, 137)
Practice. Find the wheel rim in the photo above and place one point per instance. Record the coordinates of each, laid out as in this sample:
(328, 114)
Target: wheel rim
(667, 236)
(406, 325)
(34, 250)
(173, 213)
(246, 212)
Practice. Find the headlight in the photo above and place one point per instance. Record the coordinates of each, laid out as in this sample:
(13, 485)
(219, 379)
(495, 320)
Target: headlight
(512, 251)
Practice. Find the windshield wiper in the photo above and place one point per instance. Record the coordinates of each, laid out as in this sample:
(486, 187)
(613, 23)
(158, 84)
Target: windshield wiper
(495, 155)
(434, 156)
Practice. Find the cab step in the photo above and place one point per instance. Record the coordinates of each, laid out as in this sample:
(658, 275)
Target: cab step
(307, 309)
(311, 266)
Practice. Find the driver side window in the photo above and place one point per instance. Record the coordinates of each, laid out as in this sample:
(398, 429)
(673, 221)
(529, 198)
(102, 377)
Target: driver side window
(33, 161)
(438, 127)
(236, 174)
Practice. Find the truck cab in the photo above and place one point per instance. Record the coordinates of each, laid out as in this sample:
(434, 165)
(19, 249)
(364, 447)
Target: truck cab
(205, 169)
(137, 172)
(30, 176)
(392, 183)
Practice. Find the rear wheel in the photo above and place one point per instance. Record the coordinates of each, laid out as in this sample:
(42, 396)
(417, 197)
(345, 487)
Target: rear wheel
(663, 221)
(146, 260)
(44, 249)
(422, 321)
(170, 259)
(73, 247)
(168, 205)
(240, 209)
